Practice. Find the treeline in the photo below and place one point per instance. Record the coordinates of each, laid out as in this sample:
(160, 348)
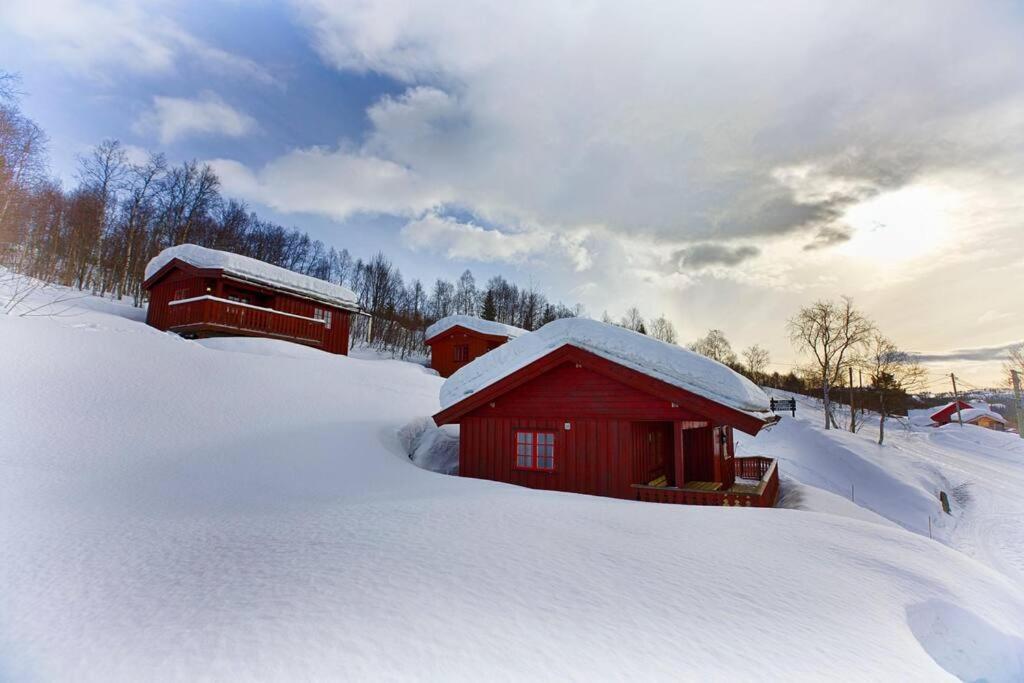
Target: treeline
(100, 234)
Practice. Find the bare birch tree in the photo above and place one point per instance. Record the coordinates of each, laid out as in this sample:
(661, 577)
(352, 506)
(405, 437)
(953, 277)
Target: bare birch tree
(663, 329)
(832, 332)
(756, 359)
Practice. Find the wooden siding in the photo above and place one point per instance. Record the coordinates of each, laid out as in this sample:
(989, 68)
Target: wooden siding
(442, 348)
(608, 435)
(210, 317)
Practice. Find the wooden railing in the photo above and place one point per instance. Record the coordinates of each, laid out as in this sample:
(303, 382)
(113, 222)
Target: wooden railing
(210, 311)
(764, 495)
(754, 467)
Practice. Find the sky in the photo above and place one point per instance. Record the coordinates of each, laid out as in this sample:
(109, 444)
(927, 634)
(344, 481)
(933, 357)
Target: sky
(720, 163)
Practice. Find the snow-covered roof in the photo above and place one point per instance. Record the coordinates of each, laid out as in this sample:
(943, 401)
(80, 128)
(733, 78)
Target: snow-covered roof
(972, 414)
(472, 323)
(255, 270)
(951, 404)
(666, 362)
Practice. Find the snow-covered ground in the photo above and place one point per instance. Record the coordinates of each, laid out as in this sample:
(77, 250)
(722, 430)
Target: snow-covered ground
(240, 509)
(981, 471)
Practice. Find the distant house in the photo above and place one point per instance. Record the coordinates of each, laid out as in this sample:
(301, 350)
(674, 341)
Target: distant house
(200, 292)
(588, 407)
(947, 413)
(457, 340)
(982, 418)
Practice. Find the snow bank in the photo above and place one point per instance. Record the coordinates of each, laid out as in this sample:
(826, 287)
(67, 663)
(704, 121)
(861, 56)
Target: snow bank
(253, 269)
(473, 323)
(667, 362)
(170, 511)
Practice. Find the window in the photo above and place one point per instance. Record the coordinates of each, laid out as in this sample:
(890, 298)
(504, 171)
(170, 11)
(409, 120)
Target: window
(535, 451)
(461, 353)
(238, 299)
(321, 314)
(180, 294)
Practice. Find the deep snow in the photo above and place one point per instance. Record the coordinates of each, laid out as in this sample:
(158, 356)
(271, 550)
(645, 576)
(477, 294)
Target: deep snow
(245, 509)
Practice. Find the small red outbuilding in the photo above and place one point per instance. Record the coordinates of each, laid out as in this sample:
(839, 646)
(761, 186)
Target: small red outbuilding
(200, 292)
(587, 407)
(457, 340)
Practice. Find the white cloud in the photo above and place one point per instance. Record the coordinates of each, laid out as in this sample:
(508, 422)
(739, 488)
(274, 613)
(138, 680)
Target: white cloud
(467, 241)
(97, 39)
(173, 118)
(336, 183)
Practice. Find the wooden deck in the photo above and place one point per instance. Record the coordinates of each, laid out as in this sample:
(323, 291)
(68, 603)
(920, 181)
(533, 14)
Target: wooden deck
(762, 494)
(207, 315)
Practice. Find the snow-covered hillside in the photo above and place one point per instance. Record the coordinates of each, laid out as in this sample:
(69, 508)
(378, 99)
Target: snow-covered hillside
(981, 471)
(243, 509)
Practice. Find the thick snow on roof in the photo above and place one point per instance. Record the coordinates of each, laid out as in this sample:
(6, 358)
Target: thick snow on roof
(252, 269)
(971, 414)
(951, 404)
(666, 362)
(473, 323)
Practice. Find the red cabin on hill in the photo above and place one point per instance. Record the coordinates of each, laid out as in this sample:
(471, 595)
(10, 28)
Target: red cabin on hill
(947, 413)
(200, 292)
(459, 339)
(587, 407)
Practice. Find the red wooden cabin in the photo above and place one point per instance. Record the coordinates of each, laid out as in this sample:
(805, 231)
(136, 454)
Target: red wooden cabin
(457, 340)
(200, 292)
(947, 413)
(586, 407)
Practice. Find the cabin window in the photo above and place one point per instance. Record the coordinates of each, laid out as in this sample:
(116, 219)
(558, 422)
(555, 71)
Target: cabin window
(321, 314)
(461, 353)
(535, 451)
(180, 294)
(238, 299)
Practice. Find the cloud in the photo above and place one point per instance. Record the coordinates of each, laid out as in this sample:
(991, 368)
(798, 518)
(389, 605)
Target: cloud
(702, 255)
(980, 354)
(465, 240)
(173, 118)
(644, 121)
(98, 38)
(336, 183)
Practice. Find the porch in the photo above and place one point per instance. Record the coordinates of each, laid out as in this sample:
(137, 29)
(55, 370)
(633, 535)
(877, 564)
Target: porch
(756, 485)
(211, 315)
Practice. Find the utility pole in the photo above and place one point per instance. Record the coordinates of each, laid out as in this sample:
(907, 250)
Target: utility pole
(956, 397)
(860, 378)
(1020, 409)
(853, 414)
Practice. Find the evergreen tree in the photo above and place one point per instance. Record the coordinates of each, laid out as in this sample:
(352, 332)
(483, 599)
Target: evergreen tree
(489, 311)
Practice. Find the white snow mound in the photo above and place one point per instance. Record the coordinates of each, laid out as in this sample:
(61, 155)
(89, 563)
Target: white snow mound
(473, 323)
(666, 362)
(253, 269)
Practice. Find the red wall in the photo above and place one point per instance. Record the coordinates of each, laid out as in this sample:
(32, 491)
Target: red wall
(199, 283)
(442, 348)
(618, 435)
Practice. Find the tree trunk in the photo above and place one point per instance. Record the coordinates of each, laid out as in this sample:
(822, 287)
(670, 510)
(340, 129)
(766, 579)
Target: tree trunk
(881, 418)
(828, 407)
